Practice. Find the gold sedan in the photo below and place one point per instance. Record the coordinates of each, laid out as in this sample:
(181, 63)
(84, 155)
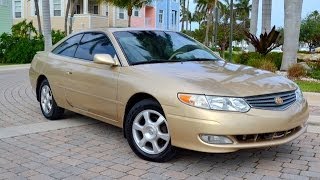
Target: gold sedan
(167, 90)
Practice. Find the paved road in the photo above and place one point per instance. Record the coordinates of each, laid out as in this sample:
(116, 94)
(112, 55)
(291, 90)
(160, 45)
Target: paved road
(99, 151)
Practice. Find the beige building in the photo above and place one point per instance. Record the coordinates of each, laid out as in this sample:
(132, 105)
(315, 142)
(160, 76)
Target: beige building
(89, 14)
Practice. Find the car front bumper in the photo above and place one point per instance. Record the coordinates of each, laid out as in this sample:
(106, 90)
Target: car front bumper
(186, 129)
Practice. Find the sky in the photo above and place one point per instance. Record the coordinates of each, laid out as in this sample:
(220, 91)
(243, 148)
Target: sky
(277, 18)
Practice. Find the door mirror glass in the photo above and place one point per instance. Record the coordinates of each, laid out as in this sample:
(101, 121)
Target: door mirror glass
(104, 59)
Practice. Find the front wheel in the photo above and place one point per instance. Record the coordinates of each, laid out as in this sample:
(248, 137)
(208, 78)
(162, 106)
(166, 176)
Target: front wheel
(147, 132)
(48, 105)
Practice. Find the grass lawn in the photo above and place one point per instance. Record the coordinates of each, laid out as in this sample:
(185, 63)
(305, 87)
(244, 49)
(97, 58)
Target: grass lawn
(308, 86)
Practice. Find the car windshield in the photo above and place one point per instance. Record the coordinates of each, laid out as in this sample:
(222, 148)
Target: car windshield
(143, 47)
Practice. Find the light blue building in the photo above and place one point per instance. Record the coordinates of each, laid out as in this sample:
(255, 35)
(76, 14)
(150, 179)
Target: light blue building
(167, 14)
(5, 16)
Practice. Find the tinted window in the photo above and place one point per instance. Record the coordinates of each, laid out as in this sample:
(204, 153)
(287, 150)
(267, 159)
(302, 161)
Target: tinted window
(68, 47)
(94, 43)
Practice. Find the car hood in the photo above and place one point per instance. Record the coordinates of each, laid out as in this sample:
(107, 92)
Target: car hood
(215, 78)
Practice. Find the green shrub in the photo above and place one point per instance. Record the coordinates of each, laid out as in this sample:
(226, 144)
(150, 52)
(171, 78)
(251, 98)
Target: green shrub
(237, 49)
(245, 57)
(24, 42)
(57, 35)
(315, 74)
(268, 66)
(276, 58)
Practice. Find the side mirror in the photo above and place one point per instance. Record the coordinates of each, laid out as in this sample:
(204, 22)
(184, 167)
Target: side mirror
(104, 59)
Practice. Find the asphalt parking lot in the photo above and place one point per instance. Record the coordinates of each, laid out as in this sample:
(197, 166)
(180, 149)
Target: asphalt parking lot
(78, 147)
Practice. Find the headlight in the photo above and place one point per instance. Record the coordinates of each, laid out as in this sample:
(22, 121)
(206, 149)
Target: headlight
(299, 95)
(215, 102)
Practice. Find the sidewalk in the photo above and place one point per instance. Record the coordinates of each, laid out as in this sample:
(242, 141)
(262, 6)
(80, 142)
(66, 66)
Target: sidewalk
(14, 67)
(314, 104)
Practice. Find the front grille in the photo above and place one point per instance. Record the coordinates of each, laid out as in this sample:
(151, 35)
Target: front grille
(266, 136)
(268, 101)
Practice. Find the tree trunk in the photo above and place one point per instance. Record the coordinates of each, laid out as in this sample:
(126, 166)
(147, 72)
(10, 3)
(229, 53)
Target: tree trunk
(66, 18)
(292, 23)
(129, 16)
(74, 7)
(209, 18)
(266, 16)
(254, 20)
(36, 5)
(46, 25)
(183, 10)
(187, 15)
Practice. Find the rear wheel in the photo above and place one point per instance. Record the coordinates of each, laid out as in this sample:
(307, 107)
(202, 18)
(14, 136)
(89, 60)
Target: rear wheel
(48, 105)
(147, 132)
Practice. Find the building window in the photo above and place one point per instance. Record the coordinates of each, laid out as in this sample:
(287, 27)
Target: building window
(107, 9)
(121, 14)
(3, 2)
(160, 16)
(174, 17)
(78, 9)
(93, 8)
(56, 7)
(136, 12)
(17, 9)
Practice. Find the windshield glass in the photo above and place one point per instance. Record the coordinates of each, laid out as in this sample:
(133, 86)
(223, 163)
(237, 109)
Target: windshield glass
(142, 47)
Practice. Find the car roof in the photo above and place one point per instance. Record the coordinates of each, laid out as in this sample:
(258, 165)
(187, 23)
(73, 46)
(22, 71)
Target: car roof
(123, 29)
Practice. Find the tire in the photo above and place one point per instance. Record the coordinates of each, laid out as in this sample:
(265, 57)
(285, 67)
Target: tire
(152, 134)
(47, 101)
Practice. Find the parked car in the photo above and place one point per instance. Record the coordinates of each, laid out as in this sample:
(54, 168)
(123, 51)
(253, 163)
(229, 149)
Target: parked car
(167, 90)
(277, 49)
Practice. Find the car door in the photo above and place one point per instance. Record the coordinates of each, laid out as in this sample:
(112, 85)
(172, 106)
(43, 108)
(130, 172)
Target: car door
(58, 66)
(92, 87)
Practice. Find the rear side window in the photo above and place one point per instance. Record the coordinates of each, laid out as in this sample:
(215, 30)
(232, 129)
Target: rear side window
(94, 43)
(69, 46)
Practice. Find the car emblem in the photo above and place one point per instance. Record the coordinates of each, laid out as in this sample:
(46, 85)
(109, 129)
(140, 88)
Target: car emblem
(278, 100)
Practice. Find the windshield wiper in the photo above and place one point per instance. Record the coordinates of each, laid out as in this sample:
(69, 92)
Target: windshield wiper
(153, 61)
(198, 59)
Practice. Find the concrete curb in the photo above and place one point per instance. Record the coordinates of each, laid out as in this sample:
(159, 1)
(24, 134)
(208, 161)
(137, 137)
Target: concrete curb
(312, 98)
(314, 120)
(14, 67)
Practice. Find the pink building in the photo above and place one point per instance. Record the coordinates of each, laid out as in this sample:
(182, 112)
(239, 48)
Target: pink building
(144, 17)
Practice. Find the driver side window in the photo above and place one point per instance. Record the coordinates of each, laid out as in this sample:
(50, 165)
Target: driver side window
(94, 43)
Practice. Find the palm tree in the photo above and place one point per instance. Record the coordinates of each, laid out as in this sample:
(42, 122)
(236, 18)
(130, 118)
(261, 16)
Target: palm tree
(36, 5)
(66, 17)
(208, 7)
(254, 20)
(292, 23)
(182, 14)
(198, 17)
(46, 24)
(266, 15)
(243, 9)
(129, 5)
(73, 10)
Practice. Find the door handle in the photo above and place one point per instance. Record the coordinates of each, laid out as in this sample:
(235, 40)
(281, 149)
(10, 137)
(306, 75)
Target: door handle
(69, 72)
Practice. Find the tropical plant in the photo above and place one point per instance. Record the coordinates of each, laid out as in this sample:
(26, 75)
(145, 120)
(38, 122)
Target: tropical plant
(267, 41)
(198, 17)
(128, 4)
(207, 6)
(243, 8)
(310, 30)
(24, 29)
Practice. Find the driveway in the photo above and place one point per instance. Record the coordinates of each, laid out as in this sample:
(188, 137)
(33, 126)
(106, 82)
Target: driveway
(81, 148)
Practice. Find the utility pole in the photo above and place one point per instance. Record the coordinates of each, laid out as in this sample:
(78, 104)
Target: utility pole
(231, 31)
